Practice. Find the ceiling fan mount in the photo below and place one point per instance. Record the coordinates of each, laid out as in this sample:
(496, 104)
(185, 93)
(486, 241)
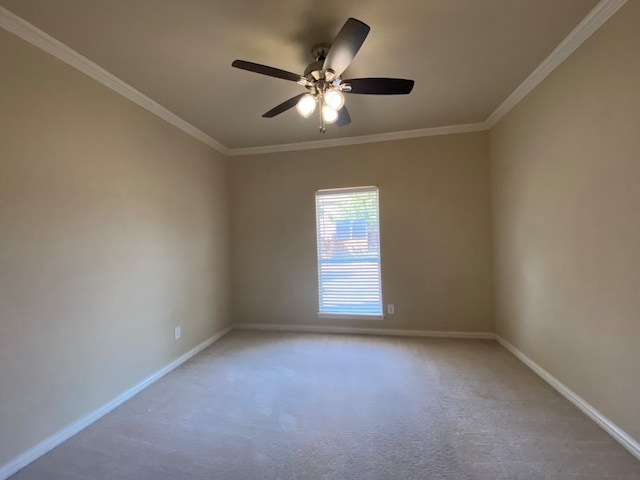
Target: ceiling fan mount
(320, 51)
(323, 78)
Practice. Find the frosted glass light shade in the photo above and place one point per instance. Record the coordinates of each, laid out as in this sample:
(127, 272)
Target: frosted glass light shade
(306, 105)
(334, 99)
(329, 114)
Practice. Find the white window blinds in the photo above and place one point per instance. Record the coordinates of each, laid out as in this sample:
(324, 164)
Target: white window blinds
(348, 235)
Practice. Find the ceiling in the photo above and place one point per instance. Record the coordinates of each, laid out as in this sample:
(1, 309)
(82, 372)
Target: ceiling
(466, 56)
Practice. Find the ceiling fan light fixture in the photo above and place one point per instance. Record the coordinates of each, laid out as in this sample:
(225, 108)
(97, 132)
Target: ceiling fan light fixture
(329, 115)
(306, 105)
(334, 99)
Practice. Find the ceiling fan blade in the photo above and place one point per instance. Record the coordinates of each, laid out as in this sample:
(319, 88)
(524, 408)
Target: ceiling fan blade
(347, 43)
(269, 71)
(379, 86)
(343, 117)
(283, 107)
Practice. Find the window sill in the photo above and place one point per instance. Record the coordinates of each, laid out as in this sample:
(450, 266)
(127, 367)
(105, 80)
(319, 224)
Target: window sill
(346, 316)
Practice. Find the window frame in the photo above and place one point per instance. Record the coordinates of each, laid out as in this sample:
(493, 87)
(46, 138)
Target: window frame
(349, 316)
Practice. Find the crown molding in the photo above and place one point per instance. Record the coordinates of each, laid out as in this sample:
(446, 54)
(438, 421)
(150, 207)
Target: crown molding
(28, 32)
(341, 142)
(592, 22)
(32, 34)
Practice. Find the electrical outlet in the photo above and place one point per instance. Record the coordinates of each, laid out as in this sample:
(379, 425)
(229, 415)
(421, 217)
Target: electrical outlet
(391, 309)
(177, 332)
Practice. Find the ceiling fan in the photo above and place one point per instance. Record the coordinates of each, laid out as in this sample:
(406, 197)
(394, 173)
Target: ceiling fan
(323, 78)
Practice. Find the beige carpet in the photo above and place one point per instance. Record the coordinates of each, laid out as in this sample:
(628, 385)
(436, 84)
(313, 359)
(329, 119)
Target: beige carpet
(306, 406)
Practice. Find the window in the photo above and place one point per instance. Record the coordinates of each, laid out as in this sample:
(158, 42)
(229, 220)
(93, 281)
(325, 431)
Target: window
(348, 235)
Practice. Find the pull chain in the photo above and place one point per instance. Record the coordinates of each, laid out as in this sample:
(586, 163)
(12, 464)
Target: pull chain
(323, 130)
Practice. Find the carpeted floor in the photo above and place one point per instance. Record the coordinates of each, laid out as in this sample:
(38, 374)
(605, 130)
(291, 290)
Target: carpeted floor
(262, 405)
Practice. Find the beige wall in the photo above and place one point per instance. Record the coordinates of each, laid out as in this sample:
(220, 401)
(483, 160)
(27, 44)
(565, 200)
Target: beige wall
(435, 231)
(113, 229)
(566, 189)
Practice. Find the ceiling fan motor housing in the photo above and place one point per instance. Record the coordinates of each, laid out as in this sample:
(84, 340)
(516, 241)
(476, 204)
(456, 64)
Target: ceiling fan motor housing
(314, 70)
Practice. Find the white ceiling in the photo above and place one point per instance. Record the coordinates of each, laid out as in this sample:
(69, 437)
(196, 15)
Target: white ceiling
(466, 56)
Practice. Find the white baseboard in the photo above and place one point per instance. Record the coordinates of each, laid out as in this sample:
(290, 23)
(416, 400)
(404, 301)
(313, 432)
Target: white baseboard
(607, 425)
(363, 331)
(67, 432)
(56, 439)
